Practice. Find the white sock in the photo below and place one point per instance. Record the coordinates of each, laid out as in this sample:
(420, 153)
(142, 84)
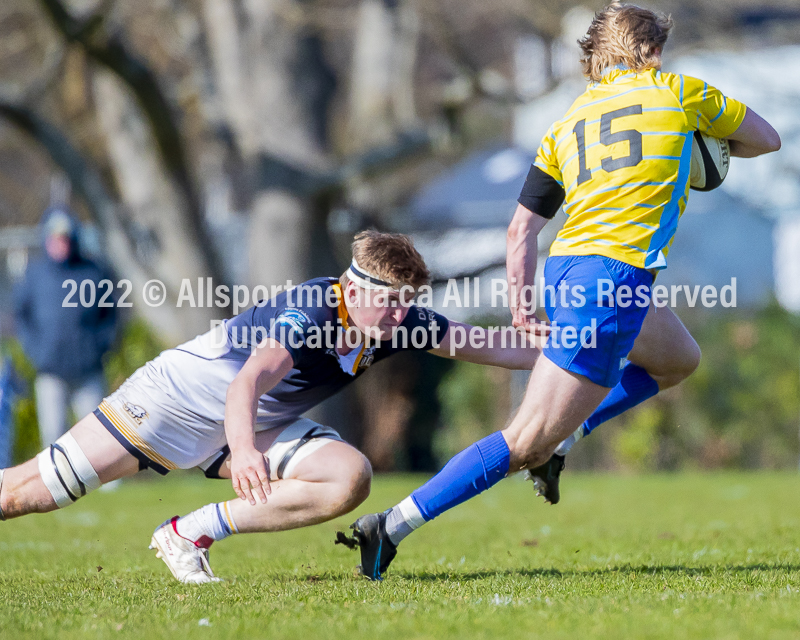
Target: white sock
(209, 523)
(402, 519)
(564, 447)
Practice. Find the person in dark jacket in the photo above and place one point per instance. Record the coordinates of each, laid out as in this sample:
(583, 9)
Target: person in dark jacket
(63, 327)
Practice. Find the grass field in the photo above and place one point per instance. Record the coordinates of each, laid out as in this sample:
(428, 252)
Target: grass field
(668, 556)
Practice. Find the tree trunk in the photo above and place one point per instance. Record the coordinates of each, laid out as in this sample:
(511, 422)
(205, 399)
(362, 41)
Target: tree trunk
(255, 58)
(154, 210)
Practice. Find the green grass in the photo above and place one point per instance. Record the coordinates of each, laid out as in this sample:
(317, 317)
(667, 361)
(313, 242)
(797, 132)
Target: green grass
(666, 556)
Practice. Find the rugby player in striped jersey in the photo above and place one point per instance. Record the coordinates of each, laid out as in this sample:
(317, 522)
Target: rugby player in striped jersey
(619, 162)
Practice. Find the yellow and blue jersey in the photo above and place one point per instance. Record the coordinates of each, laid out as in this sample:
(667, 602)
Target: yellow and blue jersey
(620, 160)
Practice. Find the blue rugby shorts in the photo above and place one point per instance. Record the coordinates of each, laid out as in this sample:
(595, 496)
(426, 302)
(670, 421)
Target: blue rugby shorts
(597, 306)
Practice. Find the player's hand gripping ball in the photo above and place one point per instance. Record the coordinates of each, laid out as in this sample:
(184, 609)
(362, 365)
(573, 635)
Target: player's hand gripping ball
(711, 158)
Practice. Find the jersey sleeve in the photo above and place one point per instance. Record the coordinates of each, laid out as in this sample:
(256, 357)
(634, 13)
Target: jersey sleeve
(293, 328)
(543, 191)
(546, 157)
(424, 329)
(707, 108)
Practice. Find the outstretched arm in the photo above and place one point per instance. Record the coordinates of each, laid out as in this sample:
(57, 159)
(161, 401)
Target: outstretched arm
(504, 347)
(268, 364)
(754, 137)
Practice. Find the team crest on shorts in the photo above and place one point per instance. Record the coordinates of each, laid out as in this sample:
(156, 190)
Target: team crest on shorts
(136, 412)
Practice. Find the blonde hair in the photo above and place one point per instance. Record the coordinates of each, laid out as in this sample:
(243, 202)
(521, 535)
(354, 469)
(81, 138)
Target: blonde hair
(391, 257)
(624, 34)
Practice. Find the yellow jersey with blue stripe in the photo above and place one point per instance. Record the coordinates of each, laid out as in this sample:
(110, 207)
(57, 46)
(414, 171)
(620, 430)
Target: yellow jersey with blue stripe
(620, 158)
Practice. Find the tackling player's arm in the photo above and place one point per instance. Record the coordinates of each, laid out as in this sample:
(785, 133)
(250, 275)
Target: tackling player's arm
(521, 353)
(754, 137)
(265, 368)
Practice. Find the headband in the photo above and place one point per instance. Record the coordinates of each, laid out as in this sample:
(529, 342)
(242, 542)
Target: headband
(367, 280)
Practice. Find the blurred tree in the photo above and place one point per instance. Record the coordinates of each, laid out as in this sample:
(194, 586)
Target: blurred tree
(476, 401)
(184, 100)
(26, 429)
(171, 118)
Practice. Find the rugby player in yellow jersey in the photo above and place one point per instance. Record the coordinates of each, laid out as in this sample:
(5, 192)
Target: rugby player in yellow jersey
(619, 162)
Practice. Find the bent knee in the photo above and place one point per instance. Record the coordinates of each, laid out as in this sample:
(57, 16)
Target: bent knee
(693, 360)
(352, 488)
(685, 367)
(358, 485)
(689, 358)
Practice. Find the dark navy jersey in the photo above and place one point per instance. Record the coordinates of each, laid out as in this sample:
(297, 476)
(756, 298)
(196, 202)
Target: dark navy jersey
(307, 321)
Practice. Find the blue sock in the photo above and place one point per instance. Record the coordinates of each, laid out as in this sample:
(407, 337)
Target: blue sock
(635, 387)
(467, 474)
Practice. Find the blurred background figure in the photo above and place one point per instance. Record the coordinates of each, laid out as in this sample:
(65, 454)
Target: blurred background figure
(8, 390)
(64, 336)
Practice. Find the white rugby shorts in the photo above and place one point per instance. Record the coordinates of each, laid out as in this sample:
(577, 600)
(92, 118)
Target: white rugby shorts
(163, 435)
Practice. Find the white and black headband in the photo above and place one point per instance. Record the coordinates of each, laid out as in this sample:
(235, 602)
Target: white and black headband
(367, 280)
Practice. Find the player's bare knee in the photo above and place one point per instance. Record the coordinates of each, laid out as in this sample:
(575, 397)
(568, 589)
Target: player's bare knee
(685, 367)
(353, 488)
(693, 357)
(689, 366)
(361, 483)
(689, 359)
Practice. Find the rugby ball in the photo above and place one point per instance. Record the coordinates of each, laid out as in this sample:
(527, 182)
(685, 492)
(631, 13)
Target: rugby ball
(710, 160)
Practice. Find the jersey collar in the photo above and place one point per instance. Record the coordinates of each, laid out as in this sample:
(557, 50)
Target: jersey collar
(341, 309)
(614, 72)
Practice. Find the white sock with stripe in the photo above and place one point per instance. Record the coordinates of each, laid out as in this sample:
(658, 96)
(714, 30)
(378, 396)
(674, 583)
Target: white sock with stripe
(566, 445)
(402, 519)
(207, 524)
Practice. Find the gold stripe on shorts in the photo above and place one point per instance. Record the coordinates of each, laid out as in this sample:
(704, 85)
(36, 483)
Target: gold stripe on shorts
(131, 436)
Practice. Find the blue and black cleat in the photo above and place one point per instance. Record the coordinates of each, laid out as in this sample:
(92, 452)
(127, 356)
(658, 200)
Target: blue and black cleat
(377, 550)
